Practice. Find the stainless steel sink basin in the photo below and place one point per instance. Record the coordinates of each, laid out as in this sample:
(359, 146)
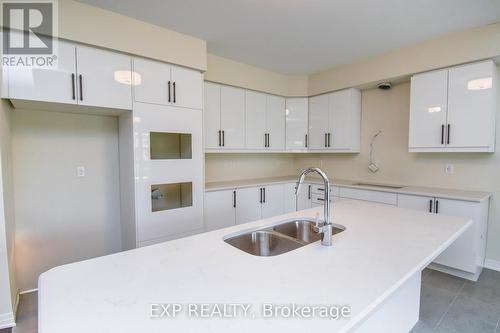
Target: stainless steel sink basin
(264, 243)
(380, 185)
(303, 230)
(282, 238)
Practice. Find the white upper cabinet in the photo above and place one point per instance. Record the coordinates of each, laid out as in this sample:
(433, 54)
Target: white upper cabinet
(160, 83)
(255, 120)
(212, 115)
(318, 122)
(335, 121)
(297, 110)
(151, 83)
(56, 84)
(84, 75)
(224, 117)
(275, 122)
(187, 88)
(472, 98)
(345, 121)
(454, 110)
(428, 107)
(104, 78)
(239, 119)
(264, 121)
(232, 117)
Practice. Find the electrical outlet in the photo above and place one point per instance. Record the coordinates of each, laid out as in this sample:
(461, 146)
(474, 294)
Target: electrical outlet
(80, 171)
(449, 169)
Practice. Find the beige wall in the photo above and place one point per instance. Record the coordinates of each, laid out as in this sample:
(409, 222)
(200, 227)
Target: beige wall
(452, 49)
(95, 26)
(389, 111)
(8, 287)
(228, 166)
(235, 73)
(61, 218)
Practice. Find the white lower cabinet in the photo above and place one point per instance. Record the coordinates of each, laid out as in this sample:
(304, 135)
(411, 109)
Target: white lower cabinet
(248, 204)
(241, 205)
(254, 203)
(220, 209)
(289, 198)
(467, 253)
(304, 197)
(273, 202)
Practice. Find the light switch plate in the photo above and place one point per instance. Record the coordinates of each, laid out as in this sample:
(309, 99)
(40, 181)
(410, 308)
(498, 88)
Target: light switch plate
(449, 169)
(80, 171)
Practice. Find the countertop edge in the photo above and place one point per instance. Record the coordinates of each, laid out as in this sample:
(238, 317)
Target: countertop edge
(478, 196)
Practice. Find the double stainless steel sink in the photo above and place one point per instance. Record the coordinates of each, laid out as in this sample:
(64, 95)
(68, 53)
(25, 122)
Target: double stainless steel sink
(279, 239)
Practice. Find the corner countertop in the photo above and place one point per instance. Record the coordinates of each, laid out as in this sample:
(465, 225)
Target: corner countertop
(457, 194)
(381, 249)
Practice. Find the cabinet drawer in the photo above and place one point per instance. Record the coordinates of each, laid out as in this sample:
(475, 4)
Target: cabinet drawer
(318, 199)
(367, 195)
(320, 189)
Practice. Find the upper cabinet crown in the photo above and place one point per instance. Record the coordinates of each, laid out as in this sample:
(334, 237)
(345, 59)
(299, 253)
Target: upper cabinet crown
(83, 75)
(335, 121)
(454, 110)
(161, 83)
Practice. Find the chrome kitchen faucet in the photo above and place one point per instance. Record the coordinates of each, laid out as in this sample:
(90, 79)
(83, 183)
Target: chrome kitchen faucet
(325, 228)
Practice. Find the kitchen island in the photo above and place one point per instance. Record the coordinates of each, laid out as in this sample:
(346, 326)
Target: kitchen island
(373, 269)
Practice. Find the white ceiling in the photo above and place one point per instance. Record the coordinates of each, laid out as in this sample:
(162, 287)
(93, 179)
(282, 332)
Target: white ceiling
(305, 36)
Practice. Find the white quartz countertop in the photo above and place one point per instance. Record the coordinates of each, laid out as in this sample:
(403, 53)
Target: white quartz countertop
(456, 194)
(381, 248)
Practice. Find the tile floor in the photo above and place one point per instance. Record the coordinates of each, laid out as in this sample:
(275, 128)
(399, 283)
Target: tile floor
(453, 305)
(448, 305)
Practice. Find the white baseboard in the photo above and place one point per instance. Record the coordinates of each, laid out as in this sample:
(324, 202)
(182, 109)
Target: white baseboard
(492, 264)
(7, 320)
(457, 272)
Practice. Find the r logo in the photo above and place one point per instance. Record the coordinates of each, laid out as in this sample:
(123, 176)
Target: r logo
(28, 27)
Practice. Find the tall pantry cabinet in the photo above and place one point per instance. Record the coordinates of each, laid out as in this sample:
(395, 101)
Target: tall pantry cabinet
(161, 155)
